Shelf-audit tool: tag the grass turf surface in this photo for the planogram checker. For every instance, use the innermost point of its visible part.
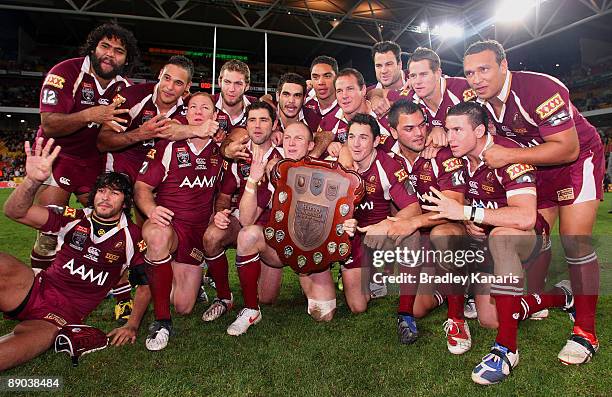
(289, 354)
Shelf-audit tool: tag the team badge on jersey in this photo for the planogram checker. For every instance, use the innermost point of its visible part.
(222, 123)
(468, 95)
(245, 170)
(79, 237)
(88, 94)
(142, 246)
(452, 164)
(517, 124)
(151, 154)
(342, 135)
(147, 115)
(70, 212)
(401, 175)
(182, 157)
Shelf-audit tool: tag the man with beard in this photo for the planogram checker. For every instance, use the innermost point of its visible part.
(223, 232)
(535, 110)
(97, 244)
(234, 80)
(75, 99)
(176, 190)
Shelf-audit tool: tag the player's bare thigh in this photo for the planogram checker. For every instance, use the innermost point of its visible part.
(15, 282)
(186, 281)
(215, 239)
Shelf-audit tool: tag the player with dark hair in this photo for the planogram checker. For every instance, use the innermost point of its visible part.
(223, 231)
(387, 57)
(503, 206)
(152, 108)
(351, 95)
(96, 245)
(386, 182)
(290, 95)
(176, 189)
(535, 110)
(75, 99)
(443, 172)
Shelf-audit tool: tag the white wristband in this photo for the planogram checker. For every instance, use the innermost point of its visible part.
(467, 212)
(479, 216)
(249, 189)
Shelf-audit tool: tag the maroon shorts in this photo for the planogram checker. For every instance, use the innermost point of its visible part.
(124, 165)
(358, 258)
(75, 175)
(45, 302)
(574, 183)
(190, 249)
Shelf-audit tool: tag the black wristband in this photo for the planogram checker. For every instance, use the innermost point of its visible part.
(473, 214)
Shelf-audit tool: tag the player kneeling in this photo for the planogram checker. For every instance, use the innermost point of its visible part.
(99, 243)
(183, 175)
(503, 207)
(253, 249)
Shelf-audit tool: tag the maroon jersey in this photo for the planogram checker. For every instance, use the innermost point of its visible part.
(385, 180)
(140, 100)
(454, 90)
(490, 188)
(69, 87)
(87, 266)
(538, 105)
(314, 113)
(225, 121)
(338, 124)
(184, 179)
(443, 172)
(236, 173)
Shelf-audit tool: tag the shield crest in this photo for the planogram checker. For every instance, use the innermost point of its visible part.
(311, 193)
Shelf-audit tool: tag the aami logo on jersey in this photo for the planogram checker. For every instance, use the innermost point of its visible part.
(492, 205)
(367, 206)
(86, 274)
(202, 182)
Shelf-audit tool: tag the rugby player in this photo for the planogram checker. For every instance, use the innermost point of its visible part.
(387, 57)
(223, 232)
(75, 99)
(253, 250)
(535, 110)
(503, 206)
(175, 189)
(321, 98)
(386, 183)
(96, 245)
(409, 127)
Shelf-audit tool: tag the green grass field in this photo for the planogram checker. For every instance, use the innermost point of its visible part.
(289, 354)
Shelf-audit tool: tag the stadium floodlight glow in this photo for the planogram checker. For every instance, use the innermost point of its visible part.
(423, 26)
(450, 31)
(514, 10)
(8, 115)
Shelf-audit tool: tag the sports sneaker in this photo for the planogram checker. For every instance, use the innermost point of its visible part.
(407, 329)
(458, 338)
(495, 366)
(339, 283)
(123, 309)
(218, 308)
(566, 287)
(159, 333)
(541, 315)
(579, 348)
(469, 309)
(377, 290)
(244, 320)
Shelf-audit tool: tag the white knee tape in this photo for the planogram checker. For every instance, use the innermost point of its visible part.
(323, 307)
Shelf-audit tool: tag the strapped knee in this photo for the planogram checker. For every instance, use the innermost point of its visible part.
(45, 245)
(321, 310)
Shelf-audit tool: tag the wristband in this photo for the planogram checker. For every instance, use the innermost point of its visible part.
(253, 181)
(467, 210)
(479, 216)
(473, 214)
(249, 189)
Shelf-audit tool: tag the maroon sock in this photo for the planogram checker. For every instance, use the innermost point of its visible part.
(41, 261)
(159, 274)
(218, 269)
(537, 270)
(533, 303)
(408, 289)
(584, 275)
(122, 291)
(455, 306)
(508, 305)
(249, 267)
